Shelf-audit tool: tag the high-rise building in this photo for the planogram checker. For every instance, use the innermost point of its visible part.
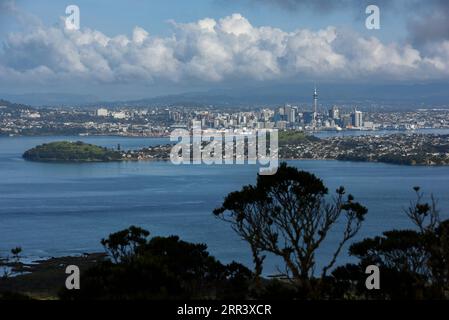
(282, 111)
(345, 120)
(287, 109)
(308, 118)
(290, 115)
(334, 113)
(357, 119)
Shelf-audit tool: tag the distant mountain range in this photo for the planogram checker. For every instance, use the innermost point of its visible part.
(411, 95)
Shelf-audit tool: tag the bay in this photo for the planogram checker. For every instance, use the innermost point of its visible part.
(60, 209)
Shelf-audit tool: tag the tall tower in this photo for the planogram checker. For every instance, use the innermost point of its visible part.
(315, 106)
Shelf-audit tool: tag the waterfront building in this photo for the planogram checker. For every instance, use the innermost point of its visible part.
(357, 119)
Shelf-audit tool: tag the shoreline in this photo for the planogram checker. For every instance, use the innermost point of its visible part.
(280, 160)
(414, 150)
(318, 133)
(44, 278)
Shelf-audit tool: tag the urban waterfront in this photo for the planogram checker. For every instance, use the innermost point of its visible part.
(52, 209)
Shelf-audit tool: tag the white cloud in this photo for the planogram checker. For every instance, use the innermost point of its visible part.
(209, 50)
(139, 35)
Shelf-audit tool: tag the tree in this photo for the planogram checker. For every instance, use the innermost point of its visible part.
(414, 263)
(123, 245)
(425, 216)
(439, 255)
(11, 264)
(16, 254)
(159, 268)
(289, 214)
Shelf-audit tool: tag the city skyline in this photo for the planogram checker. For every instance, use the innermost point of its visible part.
(126, 120)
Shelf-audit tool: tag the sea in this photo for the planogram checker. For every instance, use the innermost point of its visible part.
(59, 209)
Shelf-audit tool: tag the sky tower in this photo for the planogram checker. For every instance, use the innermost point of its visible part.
(315, 106)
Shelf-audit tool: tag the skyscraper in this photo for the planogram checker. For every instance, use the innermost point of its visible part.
(357, 119)
(290, 113)
(315, 106)
(334, 113)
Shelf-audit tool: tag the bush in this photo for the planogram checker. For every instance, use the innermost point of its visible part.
(160, 268)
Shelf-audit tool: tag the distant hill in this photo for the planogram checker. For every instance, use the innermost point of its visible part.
(51, 99)
(403, 96)
(6, 103)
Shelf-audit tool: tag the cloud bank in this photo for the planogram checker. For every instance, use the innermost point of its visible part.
(427, 20)
(225, 50)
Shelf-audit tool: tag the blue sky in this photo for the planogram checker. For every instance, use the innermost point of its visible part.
(130, 48)
(119, 16)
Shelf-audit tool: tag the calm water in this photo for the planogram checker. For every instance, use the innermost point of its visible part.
(61, 209)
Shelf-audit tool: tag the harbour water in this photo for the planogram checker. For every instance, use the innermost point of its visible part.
(56, 209)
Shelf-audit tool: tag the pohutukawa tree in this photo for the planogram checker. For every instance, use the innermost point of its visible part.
(414, 263)
(290, 214)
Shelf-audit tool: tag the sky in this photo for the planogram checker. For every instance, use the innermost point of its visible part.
(135, 48)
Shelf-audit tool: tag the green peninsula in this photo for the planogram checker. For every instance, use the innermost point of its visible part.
(65, 151)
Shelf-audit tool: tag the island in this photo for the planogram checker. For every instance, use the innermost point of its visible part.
(65, 151)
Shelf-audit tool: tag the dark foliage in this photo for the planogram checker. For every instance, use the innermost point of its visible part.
(289, 214)
(160, 268)
(414, 264)
(65, 151)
